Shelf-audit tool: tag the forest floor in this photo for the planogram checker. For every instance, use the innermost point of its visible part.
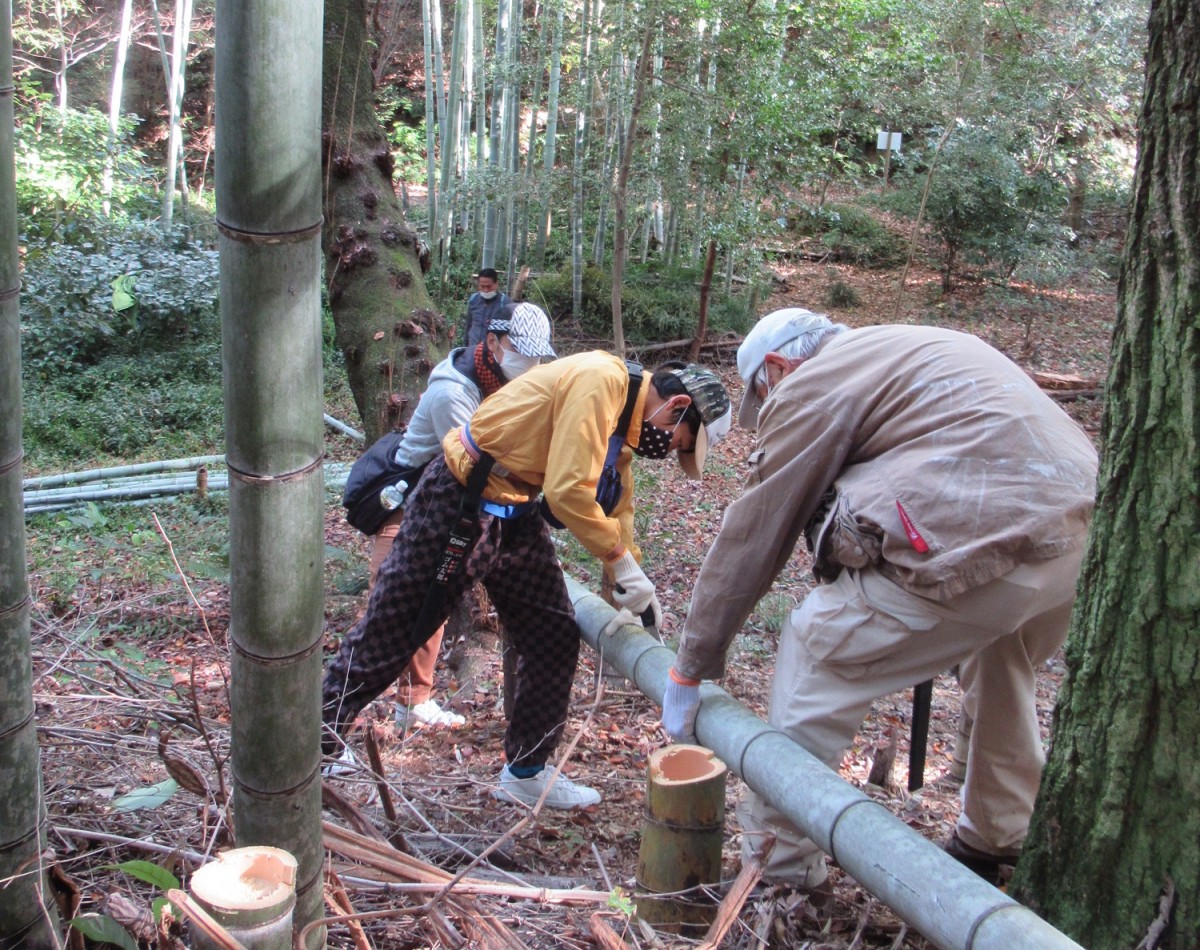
(101, 722)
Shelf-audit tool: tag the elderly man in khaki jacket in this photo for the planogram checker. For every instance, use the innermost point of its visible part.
(946, 501)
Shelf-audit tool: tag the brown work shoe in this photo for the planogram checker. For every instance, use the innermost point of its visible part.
(996, 869)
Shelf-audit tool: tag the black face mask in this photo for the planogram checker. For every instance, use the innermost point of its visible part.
(655, 443)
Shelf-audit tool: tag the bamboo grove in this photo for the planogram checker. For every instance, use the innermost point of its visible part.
(532, 130)
(520, 116)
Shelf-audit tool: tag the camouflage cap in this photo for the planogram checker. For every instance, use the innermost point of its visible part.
(711, 400)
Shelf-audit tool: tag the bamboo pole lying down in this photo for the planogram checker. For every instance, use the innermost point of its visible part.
(952, 907)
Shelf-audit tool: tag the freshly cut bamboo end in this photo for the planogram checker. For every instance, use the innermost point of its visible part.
(682, 764)
(246, 879)
(681, 836)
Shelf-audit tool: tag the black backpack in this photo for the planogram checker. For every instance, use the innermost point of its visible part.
(374, 471)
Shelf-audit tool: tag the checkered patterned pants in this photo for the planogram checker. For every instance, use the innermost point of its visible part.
(515, 561)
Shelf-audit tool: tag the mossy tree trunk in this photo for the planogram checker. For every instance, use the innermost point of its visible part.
(385, 323)
(25, 920)
(1118, 821)
(268, 97)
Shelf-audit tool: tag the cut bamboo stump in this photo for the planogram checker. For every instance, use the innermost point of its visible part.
(681, 836)
(250, 892)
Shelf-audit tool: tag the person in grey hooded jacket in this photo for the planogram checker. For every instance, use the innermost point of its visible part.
(515, 343)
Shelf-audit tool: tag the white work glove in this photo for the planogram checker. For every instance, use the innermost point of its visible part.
(622, 618)
(681, 702)
(633, 589)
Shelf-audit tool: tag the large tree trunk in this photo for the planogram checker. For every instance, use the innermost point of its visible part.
(1117, 822)
(386, 326)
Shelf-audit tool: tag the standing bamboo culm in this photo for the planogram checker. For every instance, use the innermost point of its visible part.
(175, 90)
(481, 119)
(25, 919)
(268, 96)
(512, 137)
(114, 100)
(452, 143)
(522, 250)
(431, 126)
(577, 164)
(622, 187)
(548, 152)
(496, 138)
(612, 105)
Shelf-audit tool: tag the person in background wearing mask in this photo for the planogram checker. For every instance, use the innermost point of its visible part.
(547, 431)
(457, 385)
(946, 501)
(484, 306)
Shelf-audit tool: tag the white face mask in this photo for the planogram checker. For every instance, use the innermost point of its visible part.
(488, 294)
(514, 364)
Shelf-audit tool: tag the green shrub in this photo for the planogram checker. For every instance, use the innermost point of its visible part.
(60, 164)
(851, 235)
(157, 403)
(657, 304)
(67, 316)
(981, 205)
(841, 295)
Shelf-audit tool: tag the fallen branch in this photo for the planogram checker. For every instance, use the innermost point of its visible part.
(731, 906)
(1064, 381)
(723, 342)
(384, 858)
(1071, 395)
(332, 799)
(606, 937)
(122, 471)
(344, 429)
(381, 787)
(425, 879)
(337, 899)
(1166, 904)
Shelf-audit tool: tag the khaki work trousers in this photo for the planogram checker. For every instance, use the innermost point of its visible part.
(415, 684)
(863, 637)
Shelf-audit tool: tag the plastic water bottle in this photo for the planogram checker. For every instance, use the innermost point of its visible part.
(392, 497)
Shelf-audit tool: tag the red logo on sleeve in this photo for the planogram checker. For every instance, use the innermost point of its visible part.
(910, 529)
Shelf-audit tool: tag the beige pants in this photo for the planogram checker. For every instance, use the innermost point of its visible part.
(416, 682)
(863, 637)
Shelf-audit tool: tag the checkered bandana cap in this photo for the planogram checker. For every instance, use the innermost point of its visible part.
(528, 330)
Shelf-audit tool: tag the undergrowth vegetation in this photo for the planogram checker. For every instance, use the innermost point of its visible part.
(851, 234)
(120, 328)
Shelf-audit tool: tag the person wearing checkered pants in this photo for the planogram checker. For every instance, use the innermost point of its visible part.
(515, 561)
(546, 431)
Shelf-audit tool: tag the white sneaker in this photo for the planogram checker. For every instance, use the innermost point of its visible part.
(527, 791)
(428, 713)
(344, 764)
